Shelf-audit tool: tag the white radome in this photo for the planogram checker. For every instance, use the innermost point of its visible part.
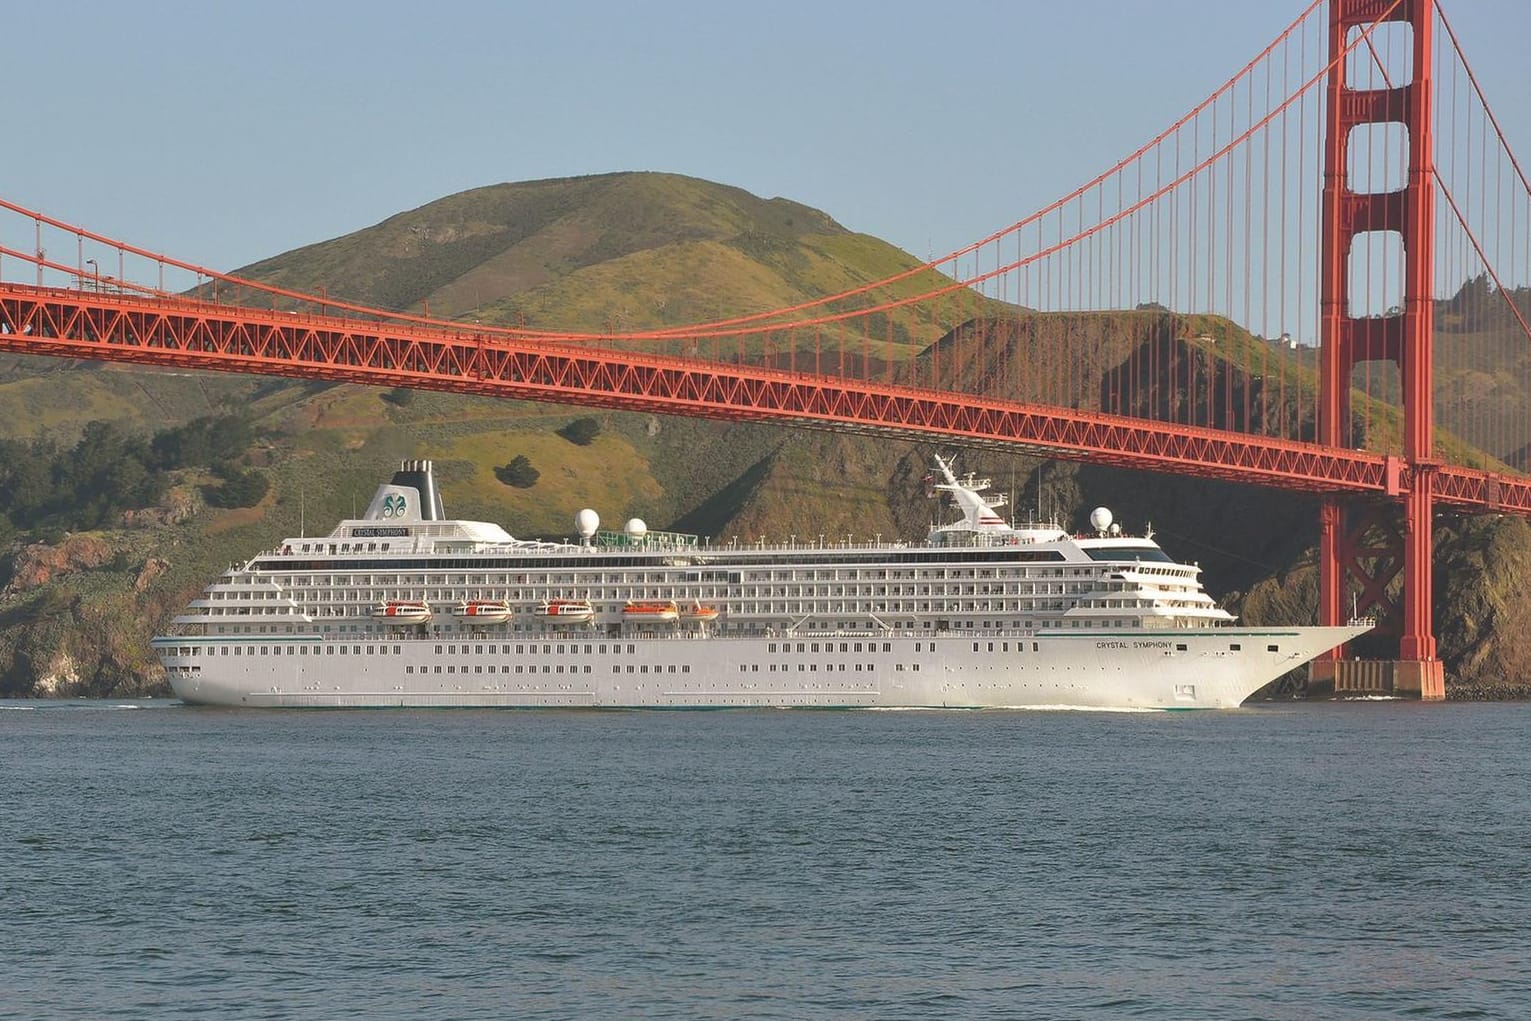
(1100, 519)
(635, 528)
(586, 522)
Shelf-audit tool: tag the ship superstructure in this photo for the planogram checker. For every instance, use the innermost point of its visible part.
(405, 606)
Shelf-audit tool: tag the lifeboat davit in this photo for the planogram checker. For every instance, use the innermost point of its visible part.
(646, 613)
(566, 611)
(401, 611)
(699, 613)
(482, 611)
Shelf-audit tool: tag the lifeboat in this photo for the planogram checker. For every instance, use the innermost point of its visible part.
(647, 613)
(699, 613)
(566, 611)
(399, 611)
(482, 611)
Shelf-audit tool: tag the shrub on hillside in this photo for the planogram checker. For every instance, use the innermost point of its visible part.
(241, 488)
(581, 432)
(519, 472)
(399, 397)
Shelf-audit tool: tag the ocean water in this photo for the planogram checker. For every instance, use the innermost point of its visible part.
(1293, 861)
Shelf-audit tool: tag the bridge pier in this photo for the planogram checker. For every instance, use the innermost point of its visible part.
(1356, 678)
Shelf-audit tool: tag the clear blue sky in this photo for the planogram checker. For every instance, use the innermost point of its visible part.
(224, 133)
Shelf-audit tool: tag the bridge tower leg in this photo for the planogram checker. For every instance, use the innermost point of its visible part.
(1349, 536)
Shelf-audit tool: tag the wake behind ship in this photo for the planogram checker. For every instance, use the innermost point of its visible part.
(407, 607)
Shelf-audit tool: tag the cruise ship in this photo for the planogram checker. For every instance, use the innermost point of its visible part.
(408, 607)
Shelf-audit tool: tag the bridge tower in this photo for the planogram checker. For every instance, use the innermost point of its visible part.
(1362, 546)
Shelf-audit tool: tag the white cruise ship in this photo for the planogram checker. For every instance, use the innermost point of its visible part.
(407, 607)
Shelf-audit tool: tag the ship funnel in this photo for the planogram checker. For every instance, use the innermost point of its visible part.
(417, 475)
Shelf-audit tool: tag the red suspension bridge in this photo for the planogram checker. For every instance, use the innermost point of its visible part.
(1289, 286)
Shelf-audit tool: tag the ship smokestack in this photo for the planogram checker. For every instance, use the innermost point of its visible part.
(418, 476)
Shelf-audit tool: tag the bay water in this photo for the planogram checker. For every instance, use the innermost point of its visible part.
(1332, 860)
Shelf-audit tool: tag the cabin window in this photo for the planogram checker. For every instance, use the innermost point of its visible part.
(1273, 648)
(1234, 647)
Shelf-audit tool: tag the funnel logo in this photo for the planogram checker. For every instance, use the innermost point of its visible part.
(394, 505)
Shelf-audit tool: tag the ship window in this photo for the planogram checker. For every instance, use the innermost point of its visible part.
(356, 649)
(1179, 647)
(916, 646)
(815, 647)
(451, 669)
(603, 650)
(616, 668)
(742, 668)
(887, 646)
(991, 646)
(396, 650)
(369, 650)
(1273, 648)
(630, 650)
(1235, 647)
(409, 670)
(685, 669)
(916, 668)
(438, 650)
(1034, 647)
(975, 646)
(520, 649)
(438, 669)
(771, 647)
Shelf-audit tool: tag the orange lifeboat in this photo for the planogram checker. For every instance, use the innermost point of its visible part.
(566, 611)
(402, 611)
(651, 613)
(699, 613)
(482, 611)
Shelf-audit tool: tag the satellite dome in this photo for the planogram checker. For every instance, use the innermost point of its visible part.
(635, 528)
(1100, 519)
(586, 522)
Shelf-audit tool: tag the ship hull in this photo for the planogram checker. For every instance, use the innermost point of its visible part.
(1182, 669)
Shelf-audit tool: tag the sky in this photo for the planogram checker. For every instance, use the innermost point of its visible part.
(223, 133)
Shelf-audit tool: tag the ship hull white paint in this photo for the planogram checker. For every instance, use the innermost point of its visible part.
(1167, 670)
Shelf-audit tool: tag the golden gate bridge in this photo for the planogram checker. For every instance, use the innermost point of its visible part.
(1290, 286)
